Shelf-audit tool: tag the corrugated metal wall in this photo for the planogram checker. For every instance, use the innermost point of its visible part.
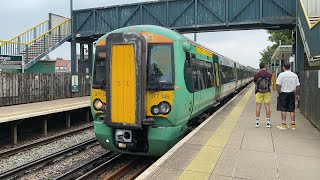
(312, 7)
(310, 96)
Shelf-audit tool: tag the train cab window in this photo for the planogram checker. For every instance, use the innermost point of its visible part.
(160, 66)
(99, 73)
(188, 73)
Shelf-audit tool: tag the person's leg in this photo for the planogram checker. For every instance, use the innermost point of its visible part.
(258, 109)
(259, 99)
(268, 114)
(291, 105)
(283, 109)
(267, 107)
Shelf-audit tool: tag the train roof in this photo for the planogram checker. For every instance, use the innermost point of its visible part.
(175, 36)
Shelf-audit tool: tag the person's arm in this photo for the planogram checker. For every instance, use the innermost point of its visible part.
(298, 92)
(255, 78)
(279, 82)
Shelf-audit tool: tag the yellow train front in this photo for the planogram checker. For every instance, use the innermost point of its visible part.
(148, 82)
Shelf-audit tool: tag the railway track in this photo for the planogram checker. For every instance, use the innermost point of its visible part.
(20, 170)
(81, 170)
(40, 143)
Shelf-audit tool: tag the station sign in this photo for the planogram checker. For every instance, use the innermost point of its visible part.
(10, 58)
(74, 83)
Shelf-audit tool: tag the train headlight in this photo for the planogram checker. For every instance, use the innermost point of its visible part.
(164, 108)
(98, 105)
(155, 110)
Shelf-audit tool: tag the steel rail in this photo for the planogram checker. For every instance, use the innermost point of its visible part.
(50, 158)
(76, 172)
(39, 143)
(100, 169)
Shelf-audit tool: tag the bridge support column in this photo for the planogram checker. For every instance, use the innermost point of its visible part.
(299, 54)
(88, 115)
(82, 69)
(90, 56)
(14, 134)
(73, 57)
(45, 127)
(68, 119)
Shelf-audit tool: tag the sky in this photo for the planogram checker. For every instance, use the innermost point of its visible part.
(16, 17)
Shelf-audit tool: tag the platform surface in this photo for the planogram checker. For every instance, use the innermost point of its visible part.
(16, 112)
(228, 146)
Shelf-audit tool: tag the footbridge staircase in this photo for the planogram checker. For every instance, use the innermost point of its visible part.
(308, 24)
(35, 43)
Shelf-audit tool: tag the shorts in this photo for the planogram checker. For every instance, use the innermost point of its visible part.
(286, 102)
(265, 97)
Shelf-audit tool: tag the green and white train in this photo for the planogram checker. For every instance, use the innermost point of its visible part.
(149, 82)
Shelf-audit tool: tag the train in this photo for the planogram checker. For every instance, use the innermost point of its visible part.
(149, 82)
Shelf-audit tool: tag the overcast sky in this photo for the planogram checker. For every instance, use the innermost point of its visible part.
(16, 17)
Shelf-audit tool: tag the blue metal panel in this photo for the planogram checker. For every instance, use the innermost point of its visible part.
(188, 15)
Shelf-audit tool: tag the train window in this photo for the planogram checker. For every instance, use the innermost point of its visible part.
(99, 73)
(195, 77)
(160, 64)
(188, 73)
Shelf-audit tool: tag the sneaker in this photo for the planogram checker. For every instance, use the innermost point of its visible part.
(282, 126)
(257, 125)
(268, 125)
(292, 126)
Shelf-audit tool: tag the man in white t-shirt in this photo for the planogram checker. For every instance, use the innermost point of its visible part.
(288, 88)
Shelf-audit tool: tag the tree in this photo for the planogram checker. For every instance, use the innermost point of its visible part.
(275, 36)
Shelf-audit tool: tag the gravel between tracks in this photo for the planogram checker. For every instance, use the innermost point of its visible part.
(40, 137)
(60, 167)
(38, 152)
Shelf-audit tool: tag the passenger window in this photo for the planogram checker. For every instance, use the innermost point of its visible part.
(188, 73)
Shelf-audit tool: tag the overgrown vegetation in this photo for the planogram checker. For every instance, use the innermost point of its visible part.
(275, 36)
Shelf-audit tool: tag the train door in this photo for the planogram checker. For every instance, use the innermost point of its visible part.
(189, 84)
(216, 75)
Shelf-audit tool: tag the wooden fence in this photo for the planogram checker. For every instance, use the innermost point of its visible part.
(18, 88)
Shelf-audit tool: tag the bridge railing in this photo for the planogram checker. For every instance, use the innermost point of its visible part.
(36, 40)
(21, 88)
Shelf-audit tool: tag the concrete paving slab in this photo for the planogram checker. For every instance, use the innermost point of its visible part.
(292, 167)
(169, 173)
(217, 177)
(297, 146)
(256, 165)
(192, 175)
(227, 162)
(257, 140)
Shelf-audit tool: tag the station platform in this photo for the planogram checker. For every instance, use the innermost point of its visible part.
(228, 146)
(16, 112)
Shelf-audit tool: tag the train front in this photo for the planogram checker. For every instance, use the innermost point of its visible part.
(133, 93)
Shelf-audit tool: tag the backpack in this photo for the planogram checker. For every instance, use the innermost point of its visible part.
(263, 84)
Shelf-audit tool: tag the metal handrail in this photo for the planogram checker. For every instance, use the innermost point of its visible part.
(36, 46)
(49, 31)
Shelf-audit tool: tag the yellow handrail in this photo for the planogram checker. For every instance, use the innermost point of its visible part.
(8, 42)
(48, 32)
(29, 30)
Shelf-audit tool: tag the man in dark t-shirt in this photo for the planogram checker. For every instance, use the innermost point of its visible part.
(263, 81)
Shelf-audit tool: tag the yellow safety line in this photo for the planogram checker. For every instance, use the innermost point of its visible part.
(48, 32)
(42, 109)
(307, 17)
(205, 161)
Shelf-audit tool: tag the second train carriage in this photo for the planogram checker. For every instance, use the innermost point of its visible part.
(149, 82)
